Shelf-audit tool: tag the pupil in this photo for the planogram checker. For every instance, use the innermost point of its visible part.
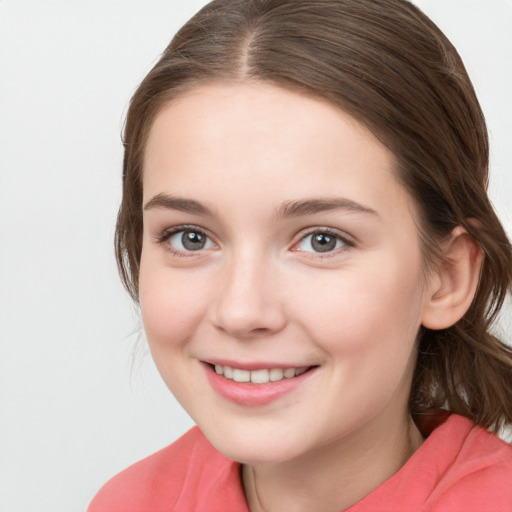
(323, 242)
(193, 241)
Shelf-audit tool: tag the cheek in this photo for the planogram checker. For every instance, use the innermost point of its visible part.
(170, 305)
(364, 312)
(171, 312)
(366, 324)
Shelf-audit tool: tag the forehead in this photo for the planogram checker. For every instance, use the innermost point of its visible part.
(261, 141)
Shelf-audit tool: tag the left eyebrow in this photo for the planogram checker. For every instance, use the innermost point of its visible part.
(178, 203)
(318, 205)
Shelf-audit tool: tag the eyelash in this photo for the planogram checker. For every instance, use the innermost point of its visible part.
(166, 235)
(347, 241)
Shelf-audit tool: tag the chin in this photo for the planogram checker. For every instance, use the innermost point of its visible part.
(247, 448)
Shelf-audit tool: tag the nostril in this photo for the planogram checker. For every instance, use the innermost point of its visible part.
(238, 328)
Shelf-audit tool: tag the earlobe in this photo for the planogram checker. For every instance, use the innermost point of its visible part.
(454, 285)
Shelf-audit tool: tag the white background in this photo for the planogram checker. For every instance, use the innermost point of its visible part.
(76, 404)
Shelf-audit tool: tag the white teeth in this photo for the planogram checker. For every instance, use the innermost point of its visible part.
(262, 376)
(259, 376)
(289, 373)
(276, 374)
(241, 375)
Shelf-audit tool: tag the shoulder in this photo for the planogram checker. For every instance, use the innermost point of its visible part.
(479, 477)
(171, 476)
(459, 468)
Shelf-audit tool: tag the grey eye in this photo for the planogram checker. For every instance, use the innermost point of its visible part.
(320, 242)
(190, 240)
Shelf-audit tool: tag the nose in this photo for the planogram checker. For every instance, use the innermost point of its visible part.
(249, 296)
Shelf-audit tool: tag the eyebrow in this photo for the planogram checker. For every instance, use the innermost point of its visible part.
(318, 205)
(286, 210)
(177, 203)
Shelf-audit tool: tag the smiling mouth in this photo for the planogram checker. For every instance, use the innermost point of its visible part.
(262, 376)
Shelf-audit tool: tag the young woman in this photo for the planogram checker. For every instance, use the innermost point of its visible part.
(306, 227)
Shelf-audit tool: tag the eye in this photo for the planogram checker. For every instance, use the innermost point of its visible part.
(321, 242)
(188, 240)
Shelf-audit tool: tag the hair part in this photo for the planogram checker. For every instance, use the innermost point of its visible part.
(386, 64)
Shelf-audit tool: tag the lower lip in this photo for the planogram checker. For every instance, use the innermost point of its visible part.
(253, 395)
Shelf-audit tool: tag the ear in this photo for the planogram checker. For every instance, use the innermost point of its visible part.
(454, 284)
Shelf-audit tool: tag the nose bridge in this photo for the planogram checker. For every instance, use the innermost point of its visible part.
(248, 300)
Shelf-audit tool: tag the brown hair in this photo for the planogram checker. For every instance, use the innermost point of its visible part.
(385, 63)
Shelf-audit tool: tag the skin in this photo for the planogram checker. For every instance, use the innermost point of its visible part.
(258, 291)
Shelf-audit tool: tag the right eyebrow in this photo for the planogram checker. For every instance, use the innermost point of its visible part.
(319, 205)
(177, 203)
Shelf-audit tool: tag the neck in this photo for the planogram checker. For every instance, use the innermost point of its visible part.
(335, 476)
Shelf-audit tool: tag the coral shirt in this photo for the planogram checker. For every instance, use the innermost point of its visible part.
(459, 468)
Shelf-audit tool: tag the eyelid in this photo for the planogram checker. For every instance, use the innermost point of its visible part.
(348, 241)
(165, 235)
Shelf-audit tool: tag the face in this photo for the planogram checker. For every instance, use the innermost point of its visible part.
(281, 280)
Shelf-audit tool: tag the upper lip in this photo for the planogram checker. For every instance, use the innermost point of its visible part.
(253, 365)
